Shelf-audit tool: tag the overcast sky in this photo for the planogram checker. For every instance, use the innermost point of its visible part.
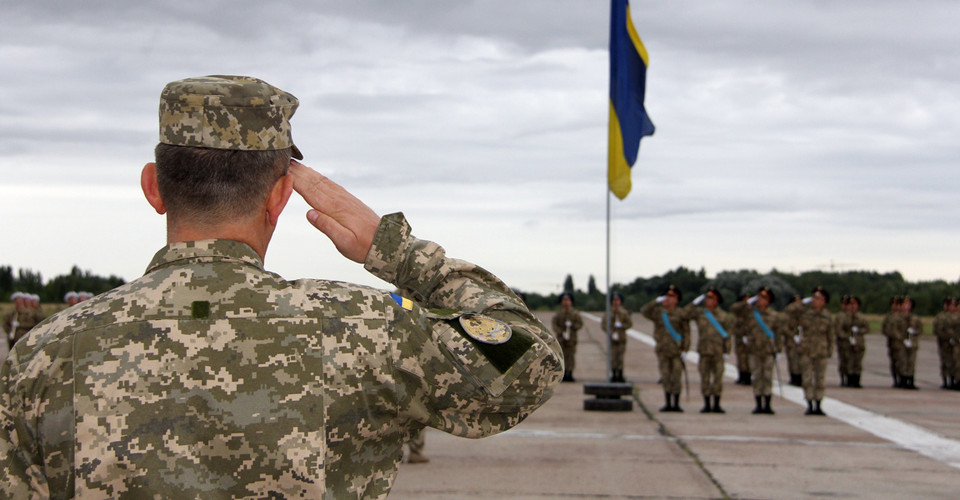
(797, 135)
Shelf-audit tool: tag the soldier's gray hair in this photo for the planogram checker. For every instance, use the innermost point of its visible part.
(211, 186)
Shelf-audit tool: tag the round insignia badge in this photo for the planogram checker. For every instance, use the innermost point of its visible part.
(485, 329)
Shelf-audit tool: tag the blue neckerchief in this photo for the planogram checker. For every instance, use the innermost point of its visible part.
(673, 333)
(716, 324)
(763, 326)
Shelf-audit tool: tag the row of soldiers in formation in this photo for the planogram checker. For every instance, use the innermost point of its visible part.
(27, 313)
(759, 335)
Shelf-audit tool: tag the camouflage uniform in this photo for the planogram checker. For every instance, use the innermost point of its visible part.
(817, 339)
(944, 325)
(669, 350)
(907, 363)
(791, 341)
(761, 348)
(711, 346)
(566, 323)
(741, 348)
(19, 321)
(850, 329)
(618, 336)
(210, 376)
(893, 329)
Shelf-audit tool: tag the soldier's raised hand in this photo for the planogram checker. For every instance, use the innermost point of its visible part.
(348, 222)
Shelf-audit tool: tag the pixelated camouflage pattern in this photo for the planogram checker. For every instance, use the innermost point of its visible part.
(211, 377)
(709, 340)
(851, 343)
(666, 345)
(758, 343)
(569, 345)
(227, 112)
(618, 336)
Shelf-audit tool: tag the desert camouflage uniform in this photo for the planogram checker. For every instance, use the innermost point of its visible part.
(761, 348)
(618, 336)
(850, 330)
(711, 346)
(211, 377)
(565, 326)
(817, 337)
(669, 350)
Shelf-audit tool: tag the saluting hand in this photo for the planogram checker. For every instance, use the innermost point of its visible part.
(347, 221)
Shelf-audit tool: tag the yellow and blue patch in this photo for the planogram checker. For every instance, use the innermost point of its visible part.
(402, 301)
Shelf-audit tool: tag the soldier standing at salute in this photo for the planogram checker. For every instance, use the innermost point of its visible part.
(211, 376)
(817, 336)
(713, 346)
(566, 323)
(671, 332)
(850, 328)
(943, 327)
(620, 322)
(765, 341)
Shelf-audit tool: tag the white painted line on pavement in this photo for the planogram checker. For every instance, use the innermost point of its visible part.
(907, 435)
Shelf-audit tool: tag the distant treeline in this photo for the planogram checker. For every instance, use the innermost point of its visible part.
(26, 280)
(874, 289)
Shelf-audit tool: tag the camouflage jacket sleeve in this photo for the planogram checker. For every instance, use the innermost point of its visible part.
(650, 310)
(447, 378)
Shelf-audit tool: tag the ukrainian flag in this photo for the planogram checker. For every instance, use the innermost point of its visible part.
(628, 82)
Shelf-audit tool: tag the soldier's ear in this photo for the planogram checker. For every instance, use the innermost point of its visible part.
(148, 182)
(278, 198)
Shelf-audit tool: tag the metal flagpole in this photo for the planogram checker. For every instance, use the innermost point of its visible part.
(609, 320)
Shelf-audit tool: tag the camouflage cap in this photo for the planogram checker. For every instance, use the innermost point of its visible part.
(227, 112)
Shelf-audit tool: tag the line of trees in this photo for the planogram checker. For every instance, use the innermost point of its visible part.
(29, 281)
(874, 289)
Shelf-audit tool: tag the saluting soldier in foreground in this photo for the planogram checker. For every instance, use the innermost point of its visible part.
(566, 323)
(713, 345)
(210, 376)
(851, 328)
(671, 332)
(765, 341)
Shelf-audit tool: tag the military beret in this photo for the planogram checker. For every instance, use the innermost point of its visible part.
(227, 112)
(712, 291)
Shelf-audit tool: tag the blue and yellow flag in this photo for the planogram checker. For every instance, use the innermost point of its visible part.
(628, 82)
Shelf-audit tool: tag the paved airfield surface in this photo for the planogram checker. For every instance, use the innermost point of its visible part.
(875, 443)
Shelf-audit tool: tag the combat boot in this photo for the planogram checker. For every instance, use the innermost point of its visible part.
(759, 408)
(567, 377)
(716, 405)
(747, 378)
(817, 410)
(766, 406)
(809, 408)
(706, 405)
(668, 406)
(676, 402)
(416, 458)
(909, 383)
(796, 379)
(855, 381)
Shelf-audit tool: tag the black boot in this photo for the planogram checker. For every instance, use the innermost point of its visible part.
(747, 378)
(855, 381)
(844, 380)
(809, 408)
(897, 383)
(716, 405)
(909, 383)
(740, 377)
(668, 406)
(676, 402)
(944, 385)
(706, 405)
(766, 405)
(759, 408)
(567, 377)
(817, 410)
(796, 379)
(620, 376)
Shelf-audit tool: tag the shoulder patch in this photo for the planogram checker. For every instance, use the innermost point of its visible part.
(485, 329)
(402, 302)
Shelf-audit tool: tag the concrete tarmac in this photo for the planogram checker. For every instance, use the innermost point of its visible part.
(875, 443)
